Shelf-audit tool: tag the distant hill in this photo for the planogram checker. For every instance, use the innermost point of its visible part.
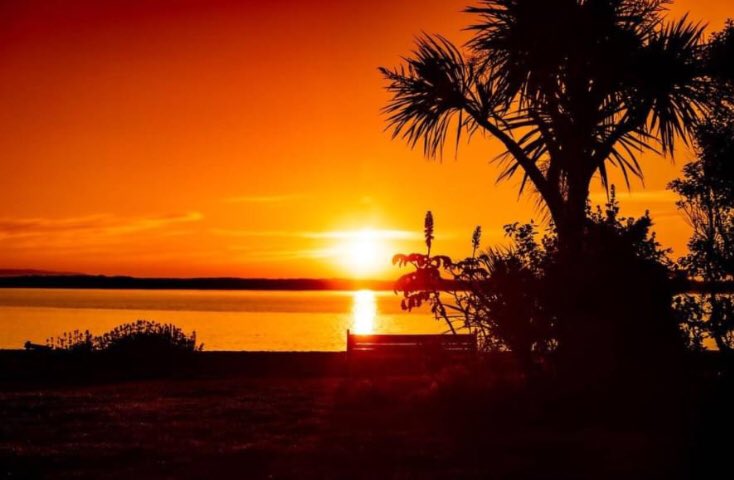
(43, 279)
(10, 272)
(55, 280)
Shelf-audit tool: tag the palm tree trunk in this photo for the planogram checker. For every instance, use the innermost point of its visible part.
(571, 225)
(572, 335)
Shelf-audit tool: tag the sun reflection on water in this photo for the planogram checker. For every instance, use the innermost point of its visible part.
(364, 311)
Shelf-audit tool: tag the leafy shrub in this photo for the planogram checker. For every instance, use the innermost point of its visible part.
(496, 294)
(612, 304)
(706, 193)
(140, 337)
(74, 341)
(705, 317)
(144, 336)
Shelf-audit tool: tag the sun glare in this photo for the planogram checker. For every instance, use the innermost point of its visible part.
(364, 253)
(364, 311)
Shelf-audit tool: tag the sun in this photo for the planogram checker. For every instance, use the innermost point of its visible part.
(364, 253)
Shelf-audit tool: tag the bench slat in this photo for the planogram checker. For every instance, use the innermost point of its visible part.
(395, 343)
(411, 344)
(416, 348)
(459, 338)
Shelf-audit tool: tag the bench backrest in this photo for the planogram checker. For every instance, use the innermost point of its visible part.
(459, 343)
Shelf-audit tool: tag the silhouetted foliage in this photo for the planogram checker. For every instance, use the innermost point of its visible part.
(512, 296)
(614, 305)
(428, 230)
(75, 341)
(568, 88)
(140, 337)
(707, 199)
(720, 59)
(494, 294)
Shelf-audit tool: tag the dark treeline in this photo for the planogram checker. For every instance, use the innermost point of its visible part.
(225, 283)
(681, 285)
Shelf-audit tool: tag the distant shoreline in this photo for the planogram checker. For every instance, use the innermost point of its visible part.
(103, 282)
(218, 283)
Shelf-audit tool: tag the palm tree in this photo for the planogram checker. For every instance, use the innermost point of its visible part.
(568, 87)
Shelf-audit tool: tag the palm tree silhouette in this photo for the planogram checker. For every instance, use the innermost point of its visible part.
(569, 87)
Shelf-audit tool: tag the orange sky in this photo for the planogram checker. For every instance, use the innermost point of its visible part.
(203, 138)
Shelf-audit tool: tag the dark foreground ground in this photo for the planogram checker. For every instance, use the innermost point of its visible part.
(252, 417)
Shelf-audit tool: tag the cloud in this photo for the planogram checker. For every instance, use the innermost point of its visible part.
(643, 196)
(263, 198)
(367, 233)
(90, 229)
(257, 255)
(343, 234)
(254, 254)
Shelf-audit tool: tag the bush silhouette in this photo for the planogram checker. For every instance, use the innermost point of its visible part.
(75, 341)
(706, 192)
(140, 338)
(609, 315)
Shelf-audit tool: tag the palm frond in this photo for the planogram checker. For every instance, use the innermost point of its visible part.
(671, 82)
(427, 93)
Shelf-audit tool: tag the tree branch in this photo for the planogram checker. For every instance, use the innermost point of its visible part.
(552, 197)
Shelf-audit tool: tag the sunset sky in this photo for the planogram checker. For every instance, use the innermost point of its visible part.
(213, 137)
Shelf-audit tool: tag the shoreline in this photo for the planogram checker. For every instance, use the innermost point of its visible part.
(54, 366)
(102, 282)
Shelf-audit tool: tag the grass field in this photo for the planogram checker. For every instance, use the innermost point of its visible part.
(239, 426)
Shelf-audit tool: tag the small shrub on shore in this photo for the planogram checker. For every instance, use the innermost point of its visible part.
(74, 341)
(142, 336)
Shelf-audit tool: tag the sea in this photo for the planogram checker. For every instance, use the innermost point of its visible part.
(223, 320)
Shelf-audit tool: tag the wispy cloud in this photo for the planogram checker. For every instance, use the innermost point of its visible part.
(338, 234)
(90, 229)
(274, 255)
(643, 196)
(264, 198)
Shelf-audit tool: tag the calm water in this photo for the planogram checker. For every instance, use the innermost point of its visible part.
(223, 320)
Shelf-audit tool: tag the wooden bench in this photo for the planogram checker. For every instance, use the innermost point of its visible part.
(424, 348)
(34, 346)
